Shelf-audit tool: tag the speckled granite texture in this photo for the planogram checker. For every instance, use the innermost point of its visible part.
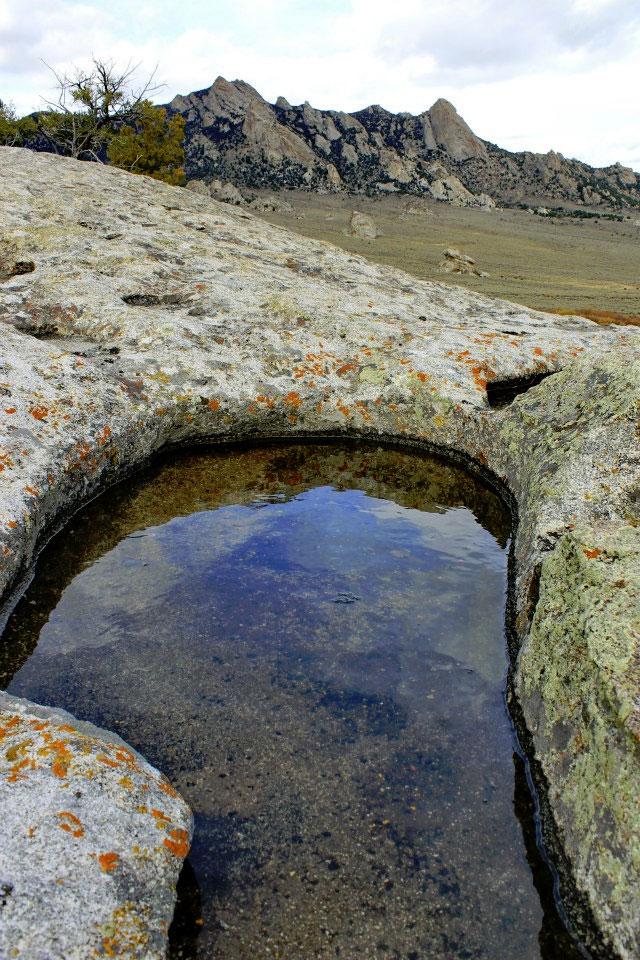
(136, 315)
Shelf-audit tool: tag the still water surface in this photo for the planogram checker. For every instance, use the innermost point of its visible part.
(309, 641)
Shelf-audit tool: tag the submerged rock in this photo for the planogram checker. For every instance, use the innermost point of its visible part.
(155, 316)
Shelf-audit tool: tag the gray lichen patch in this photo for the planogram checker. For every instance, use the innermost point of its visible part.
(247, 347)
(578, 681)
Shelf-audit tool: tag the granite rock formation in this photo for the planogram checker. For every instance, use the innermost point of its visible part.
(93, 838)
(234, 134)
(136, 315)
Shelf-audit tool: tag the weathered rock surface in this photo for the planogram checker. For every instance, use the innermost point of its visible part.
(92, 840)
(150, 316)
(235, 134)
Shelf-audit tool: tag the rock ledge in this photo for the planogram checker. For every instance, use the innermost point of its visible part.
(152, 316)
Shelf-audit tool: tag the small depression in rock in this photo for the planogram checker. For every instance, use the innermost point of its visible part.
(500, 393)
(309, 641)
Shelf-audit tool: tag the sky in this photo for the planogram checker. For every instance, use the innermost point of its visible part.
(526, 74)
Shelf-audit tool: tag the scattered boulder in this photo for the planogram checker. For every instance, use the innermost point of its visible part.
(199, 187)
(92, 839)
(415, 207)
(453, 261)
(443, 185)
(590, 196)
(362, 226)
(485, 201)
(217, 190)
(270, 204)
(226, 192)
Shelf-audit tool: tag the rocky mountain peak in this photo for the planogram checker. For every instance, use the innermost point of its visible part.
(453, 135)
(233, 134)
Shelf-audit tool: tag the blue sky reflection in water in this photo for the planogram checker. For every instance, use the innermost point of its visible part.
(309, 641)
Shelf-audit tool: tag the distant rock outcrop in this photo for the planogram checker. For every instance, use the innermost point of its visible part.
(219, 190)
(362, 226)
(453, 261)
(234, 134)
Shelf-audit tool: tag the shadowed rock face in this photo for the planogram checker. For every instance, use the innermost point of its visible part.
(155, 316)
(233, 133)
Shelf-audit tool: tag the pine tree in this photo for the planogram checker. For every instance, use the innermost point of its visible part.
(152, 146)
(12, 129)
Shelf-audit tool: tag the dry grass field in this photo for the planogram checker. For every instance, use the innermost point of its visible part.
(563, 265)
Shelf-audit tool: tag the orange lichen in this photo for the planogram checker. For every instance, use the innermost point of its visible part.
(39, 413)
(108, 762)
(108, 861)
(482, 373)
(18, 749)
(177, 842)
(213, 405)
(166, 787)
(160, 817)
(62, 756)
(592, 554)
(70, 823)
(17, 770)
(10, 724)
(346, 367)
(126, 756)
(293, 399)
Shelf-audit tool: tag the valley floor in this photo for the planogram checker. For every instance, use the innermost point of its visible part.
(560, 265)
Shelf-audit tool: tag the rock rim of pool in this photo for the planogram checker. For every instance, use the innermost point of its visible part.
(138, 316)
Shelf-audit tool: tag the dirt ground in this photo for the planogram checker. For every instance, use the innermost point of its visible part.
(556, 264)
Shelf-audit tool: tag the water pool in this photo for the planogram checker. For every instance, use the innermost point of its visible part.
(309, 641)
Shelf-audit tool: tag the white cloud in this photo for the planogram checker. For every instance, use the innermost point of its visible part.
(487, 39)
(560, 74)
